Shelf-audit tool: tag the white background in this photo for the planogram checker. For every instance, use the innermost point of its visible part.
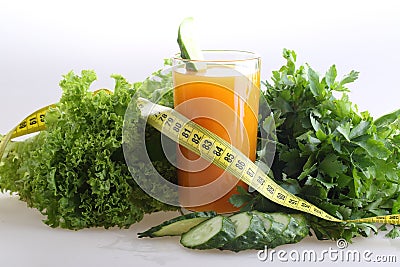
(42, 40)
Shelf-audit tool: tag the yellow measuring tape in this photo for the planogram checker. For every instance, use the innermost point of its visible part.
(31, 124)
(212, 148)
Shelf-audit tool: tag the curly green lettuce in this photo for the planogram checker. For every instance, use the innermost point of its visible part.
(74, 172)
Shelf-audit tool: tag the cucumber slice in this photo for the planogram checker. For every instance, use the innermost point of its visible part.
(189, 45)
(187, 42)
(213, 233)
(178, 225)
(283, 228)
(267, 223)
(287, 235)
(303, 228)
(250, 232)
(281, 217)
(296, 229)
(273, 228)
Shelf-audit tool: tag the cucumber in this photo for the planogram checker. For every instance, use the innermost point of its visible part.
(303, 228)
(189, 45)
(286, 235)
(297, 228)
(273, 228)
(212, 233)
(187, 42)
(178, 225)
(283, 228)
(241, 231)
(250, 232)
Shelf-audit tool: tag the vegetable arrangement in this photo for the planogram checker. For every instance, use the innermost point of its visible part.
(327, 152)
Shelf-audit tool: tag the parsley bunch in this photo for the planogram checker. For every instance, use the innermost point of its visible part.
(329, 153)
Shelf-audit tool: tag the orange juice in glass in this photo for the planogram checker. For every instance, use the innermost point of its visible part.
(222, 95)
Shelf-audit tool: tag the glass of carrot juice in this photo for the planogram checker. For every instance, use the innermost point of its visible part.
(221, 93)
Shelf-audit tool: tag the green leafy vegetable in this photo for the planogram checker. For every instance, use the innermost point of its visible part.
(328, 152)
(74, 172)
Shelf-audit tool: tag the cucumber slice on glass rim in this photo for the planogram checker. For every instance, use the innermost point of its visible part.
(189, 46)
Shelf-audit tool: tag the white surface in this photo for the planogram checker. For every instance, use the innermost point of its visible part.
(41, 40)
(26, 241)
